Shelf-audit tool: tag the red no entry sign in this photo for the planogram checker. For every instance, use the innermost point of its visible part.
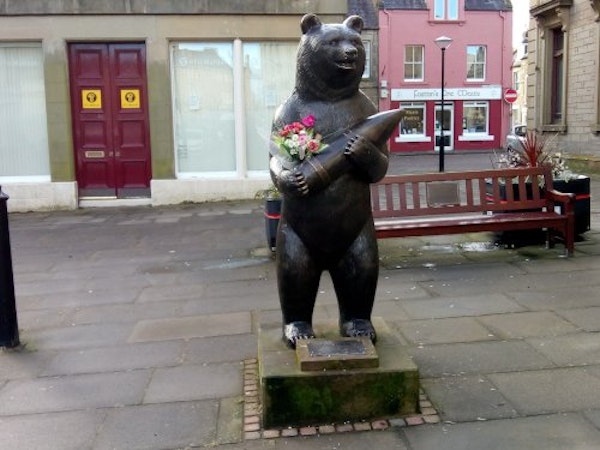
(510, 95)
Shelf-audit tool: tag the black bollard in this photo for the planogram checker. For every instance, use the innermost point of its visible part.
(9, 330)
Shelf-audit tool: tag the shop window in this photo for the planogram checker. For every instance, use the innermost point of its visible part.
(269, 73)
(476, 62)
(224, 99)
(412, 125)
(475, 118)
(445, 10)
(24, 153)
(203, 104)
(413, 63)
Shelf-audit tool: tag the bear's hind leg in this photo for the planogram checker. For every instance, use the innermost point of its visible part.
(298, 278)
(355, 281)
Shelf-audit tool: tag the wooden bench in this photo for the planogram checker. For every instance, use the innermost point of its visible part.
(463, 202)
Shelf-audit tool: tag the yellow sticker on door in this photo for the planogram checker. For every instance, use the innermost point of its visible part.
(130, 98)
(91, 99)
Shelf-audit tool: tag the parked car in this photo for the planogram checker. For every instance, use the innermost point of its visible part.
(517, 133)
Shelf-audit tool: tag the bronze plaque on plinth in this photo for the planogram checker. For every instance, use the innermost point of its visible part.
(336, 354)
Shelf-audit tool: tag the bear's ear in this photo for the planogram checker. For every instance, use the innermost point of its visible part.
(354, 22)
(308, 22)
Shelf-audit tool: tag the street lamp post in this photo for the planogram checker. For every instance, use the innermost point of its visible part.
(443, 42)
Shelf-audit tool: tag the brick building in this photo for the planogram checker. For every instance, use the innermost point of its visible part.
(477, 72)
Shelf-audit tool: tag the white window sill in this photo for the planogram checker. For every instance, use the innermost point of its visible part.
(476, 137)
(412, 138)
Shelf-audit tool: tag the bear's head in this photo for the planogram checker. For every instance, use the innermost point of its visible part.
(331, 58)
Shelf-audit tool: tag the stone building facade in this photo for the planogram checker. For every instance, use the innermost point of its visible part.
(117, 102)
(563, 92)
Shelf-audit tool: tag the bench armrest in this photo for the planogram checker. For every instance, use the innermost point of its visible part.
(567, 199)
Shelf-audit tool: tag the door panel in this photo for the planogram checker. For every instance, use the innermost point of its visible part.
(111, 135)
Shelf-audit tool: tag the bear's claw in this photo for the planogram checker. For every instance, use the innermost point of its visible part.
(358, 328)
(294, 331)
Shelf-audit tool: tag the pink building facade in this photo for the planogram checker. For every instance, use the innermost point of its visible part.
(477, 72)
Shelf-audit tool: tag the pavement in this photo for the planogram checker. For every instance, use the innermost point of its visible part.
(136, 324)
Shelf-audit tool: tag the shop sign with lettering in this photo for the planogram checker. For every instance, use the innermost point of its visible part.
(461, 93)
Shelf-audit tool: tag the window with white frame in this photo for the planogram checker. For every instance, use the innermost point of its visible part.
(269, 74)
(413, 62)
(412, 125)
(445, 9)
(476, 56)
(24, 154)
(476, 118)
(216, 87)
(367, 71)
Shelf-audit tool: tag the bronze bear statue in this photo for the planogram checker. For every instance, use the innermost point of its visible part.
(326, 221)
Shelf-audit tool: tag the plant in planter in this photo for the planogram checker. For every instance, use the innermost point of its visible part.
(272, 210)
(535, 149)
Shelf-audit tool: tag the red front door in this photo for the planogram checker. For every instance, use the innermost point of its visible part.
(110, 119)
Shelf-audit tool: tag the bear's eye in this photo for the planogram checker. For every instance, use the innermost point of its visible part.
(334, 42)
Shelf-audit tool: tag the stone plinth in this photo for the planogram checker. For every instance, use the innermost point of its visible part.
(292, 397)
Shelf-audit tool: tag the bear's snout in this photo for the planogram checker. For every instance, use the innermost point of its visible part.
(350, 53)
(348, 57)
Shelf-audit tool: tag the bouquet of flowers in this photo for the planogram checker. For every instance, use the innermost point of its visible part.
(298, 140)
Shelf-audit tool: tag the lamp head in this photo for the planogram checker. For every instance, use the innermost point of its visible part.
(443, 42)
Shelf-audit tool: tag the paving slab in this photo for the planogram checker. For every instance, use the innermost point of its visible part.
(473, 305)
(587, 319)
(72, 430)
(467, 399)
(477, 357)
(527, 324)
(577, 349)
(554, 432)
(75, 392)
(549, 391)
(79, 336)
(439, 331)
(158, 427)
(119, 358)
(195, 382)
(191, 327)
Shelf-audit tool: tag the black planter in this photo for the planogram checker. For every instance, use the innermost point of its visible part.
(272, 216)
(580, 186)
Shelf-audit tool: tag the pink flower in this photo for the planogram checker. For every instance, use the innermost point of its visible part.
(309, 121)
(313, 146)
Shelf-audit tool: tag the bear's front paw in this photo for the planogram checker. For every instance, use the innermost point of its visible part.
(360, 150)
(358, 328)
(294, 331)
(293, 183)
